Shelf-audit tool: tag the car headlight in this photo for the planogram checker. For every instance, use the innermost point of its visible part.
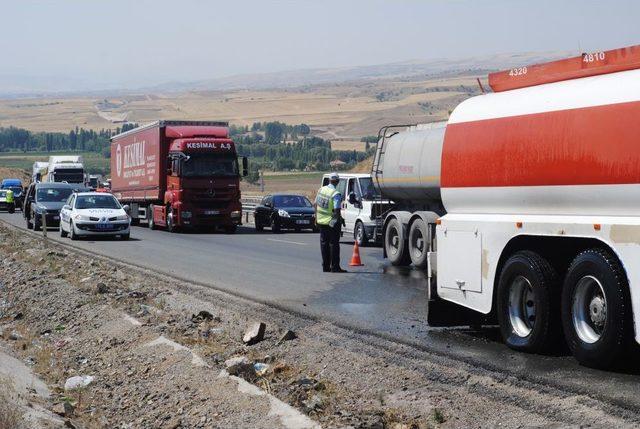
(82, 218)
(283, 213)
(236, 213)
(122, 217)
(186, 215)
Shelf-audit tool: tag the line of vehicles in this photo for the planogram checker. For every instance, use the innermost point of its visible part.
(521, 209)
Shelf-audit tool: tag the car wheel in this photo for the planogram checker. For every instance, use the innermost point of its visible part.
(596, 310)
(72, 232)
(528, 292)
(36, 223)
(395, 243)
(29, 224)
(231, 229)
(259, 226)
(125, 237)
(275, 225)
(360, 235)
(63, 233)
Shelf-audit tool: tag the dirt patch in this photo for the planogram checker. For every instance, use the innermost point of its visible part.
(170, 354)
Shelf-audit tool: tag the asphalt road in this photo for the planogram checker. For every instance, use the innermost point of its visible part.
(285, 269)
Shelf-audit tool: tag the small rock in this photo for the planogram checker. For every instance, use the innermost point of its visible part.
(64, 409)
(202, 316)
(315, 402)
(254, 334)
(173, 424)
(102, 288)
(240, 367)
(18, 316)
(288, 335)
(137, 295)
(78, 382)
(14, 336)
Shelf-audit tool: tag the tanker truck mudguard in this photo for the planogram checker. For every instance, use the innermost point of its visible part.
(524, 207)
(179, 175)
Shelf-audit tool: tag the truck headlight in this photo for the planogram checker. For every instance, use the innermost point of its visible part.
(81, 218)
(283, 213)
(186, 215)
(236, 213)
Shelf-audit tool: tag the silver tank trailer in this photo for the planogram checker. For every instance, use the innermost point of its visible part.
(410, 164)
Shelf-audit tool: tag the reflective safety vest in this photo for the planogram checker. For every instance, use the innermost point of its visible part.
(9, 196)
(324, 203)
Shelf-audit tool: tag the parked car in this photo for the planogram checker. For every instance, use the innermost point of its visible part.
(16, 186)
(94, 214)
(46, 198)
(4, 205)
(285, 212)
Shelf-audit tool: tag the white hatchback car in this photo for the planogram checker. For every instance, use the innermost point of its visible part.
(94, 214)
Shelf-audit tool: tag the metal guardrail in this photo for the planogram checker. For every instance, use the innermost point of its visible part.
(249, 203)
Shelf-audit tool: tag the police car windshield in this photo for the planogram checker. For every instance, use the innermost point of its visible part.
(15, 189)
(290, 201)
(210, 165)
(50, 195)
(96, 202)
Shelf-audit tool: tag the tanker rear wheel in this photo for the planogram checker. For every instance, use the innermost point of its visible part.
(395, 243)
(419, 243)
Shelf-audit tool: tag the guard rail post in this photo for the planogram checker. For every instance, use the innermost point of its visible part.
(44, 224)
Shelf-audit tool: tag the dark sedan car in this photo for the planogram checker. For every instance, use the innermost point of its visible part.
(46, 198)
(285, 212)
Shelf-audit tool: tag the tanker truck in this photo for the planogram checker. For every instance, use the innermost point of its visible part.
(524, 207)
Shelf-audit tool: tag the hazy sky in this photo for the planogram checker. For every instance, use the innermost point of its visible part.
(129, 43)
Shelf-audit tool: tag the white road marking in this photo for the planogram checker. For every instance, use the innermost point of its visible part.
(287, 241)
(162, 340)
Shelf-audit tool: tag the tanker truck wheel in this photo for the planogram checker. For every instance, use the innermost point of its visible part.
(419, 244)
(596, 311)
(528, 303)
(395, 243)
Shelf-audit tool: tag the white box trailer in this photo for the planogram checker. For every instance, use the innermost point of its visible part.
(525, 204)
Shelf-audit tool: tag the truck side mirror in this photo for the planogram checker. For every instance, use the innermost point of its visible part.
(245, 166)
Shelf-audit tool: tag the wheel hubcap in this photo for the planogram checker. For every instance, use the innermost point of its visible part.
(589, 309)
(522, 307)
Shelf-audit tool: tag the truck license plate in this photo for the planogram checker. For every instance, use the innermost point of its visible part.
(212, 212)
(302, 222)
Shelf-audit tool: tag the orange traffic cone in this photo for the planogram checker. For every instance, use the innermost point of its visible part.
(355, 258)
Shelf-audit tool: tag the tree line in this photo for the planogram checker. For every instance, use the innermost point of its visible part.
(13, 139)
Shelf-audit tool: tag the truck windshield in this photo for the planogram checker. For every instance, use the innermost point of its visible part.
(369, 192)
(210, 165)
(96, 202)
(69, 175)
(53, 194)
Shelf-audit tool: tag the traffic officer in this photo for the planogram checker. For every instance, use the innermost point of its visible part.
(329, 220)
(11, 201)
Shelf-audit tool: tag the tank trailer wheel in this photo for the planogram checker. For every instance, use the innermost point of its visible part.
(596, 311)
(419, 243)
(528, 301)
(396, 244)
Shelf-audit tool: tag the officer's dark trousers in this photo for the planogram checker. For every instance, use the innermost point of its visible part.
(330, 247)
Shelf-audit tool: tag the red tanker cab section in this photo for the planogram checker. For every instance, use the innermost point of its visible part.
(587, 64)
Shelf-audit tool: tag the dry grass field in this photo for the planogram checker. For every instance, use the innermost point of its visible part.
(344, 111)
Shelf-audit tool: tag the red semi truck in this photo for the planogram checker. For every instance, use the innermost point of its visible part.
(178, 174)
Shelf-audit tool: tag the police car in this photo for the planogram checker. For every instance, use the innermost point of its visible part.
(4, 204)
(94, 214)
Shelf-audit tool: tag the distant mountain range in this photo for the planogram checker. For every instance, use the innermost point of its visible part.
(20, 86)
